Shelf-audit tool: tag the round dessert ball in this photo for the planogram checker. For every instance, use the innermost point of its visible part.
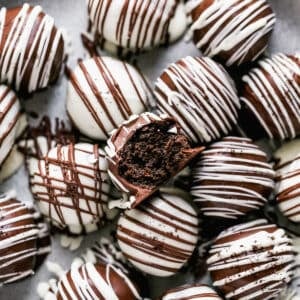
(139, 24)
(160, 235)
(107, 251)
(15, 158)
(287, 188)
(19, 239)
(32, 48)
(96, 281)
(271, 97)
(143, 154)
(231, 178)
(201, 96)
(102, 93)
(252, 261)
(71, 186)
(232, 31)
(191, 292)
(10, 114)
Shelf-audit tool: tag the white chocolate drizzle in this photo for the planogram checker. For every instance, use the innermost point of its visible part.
(18, 237)
(272, 94)
(231, 178)
(254, 260)
(102, 93)
(71, 186)
(234, 27)
(9, 120)
(201, 96)
(287, 187)
(88, 282)
(138, 24)
(191, 292)
(29, 49)
(159, 236)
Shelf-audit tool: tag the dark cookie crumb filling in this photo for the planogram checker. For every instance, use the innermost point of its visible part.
(152, 155)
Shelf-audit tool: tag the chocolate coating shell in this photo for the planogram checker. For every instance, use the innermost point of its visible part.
(232, 31)
(119, 139)
(232, 178)
(31, 48)
(271, 98)
(18, 240)
(97, 281)
(200, 95)
(253, 260)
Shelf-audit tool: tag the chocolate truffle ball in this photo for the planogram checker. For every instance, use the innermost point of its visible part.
(232, 178)
(232, 31)
(96, 281)
(15, 158)
(251, 261)
(102, 93)
(9, 120)
(287, 189)
(31, 48)
(107, 251)
(201, 96)
(71, 186)
(160, 235)
(190, 292)
(19, 239)
(139, 24)
(271, 98)
(144, 153)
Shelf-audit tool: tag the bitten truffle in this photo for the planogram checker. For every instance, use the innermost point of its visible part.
(71, 185)
(191, 292)
(96, 281)
(232, 31)
(138, 24)
(271, 98)
(160, 235)
(252, 261)
(232, 178)
(144, 153)
(103, 92)
(31, 48)
(23, 242)
(287, 189)
(201, 96)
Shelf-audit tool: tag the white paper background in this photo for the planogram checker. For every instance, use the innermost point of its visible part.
(71, 15)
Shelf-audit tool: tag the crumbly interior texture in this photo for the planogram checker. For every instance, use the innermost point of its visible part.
(152, 155)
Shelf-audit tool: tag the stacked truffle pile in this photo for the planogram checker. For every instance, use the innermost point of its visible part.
(127, 142)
